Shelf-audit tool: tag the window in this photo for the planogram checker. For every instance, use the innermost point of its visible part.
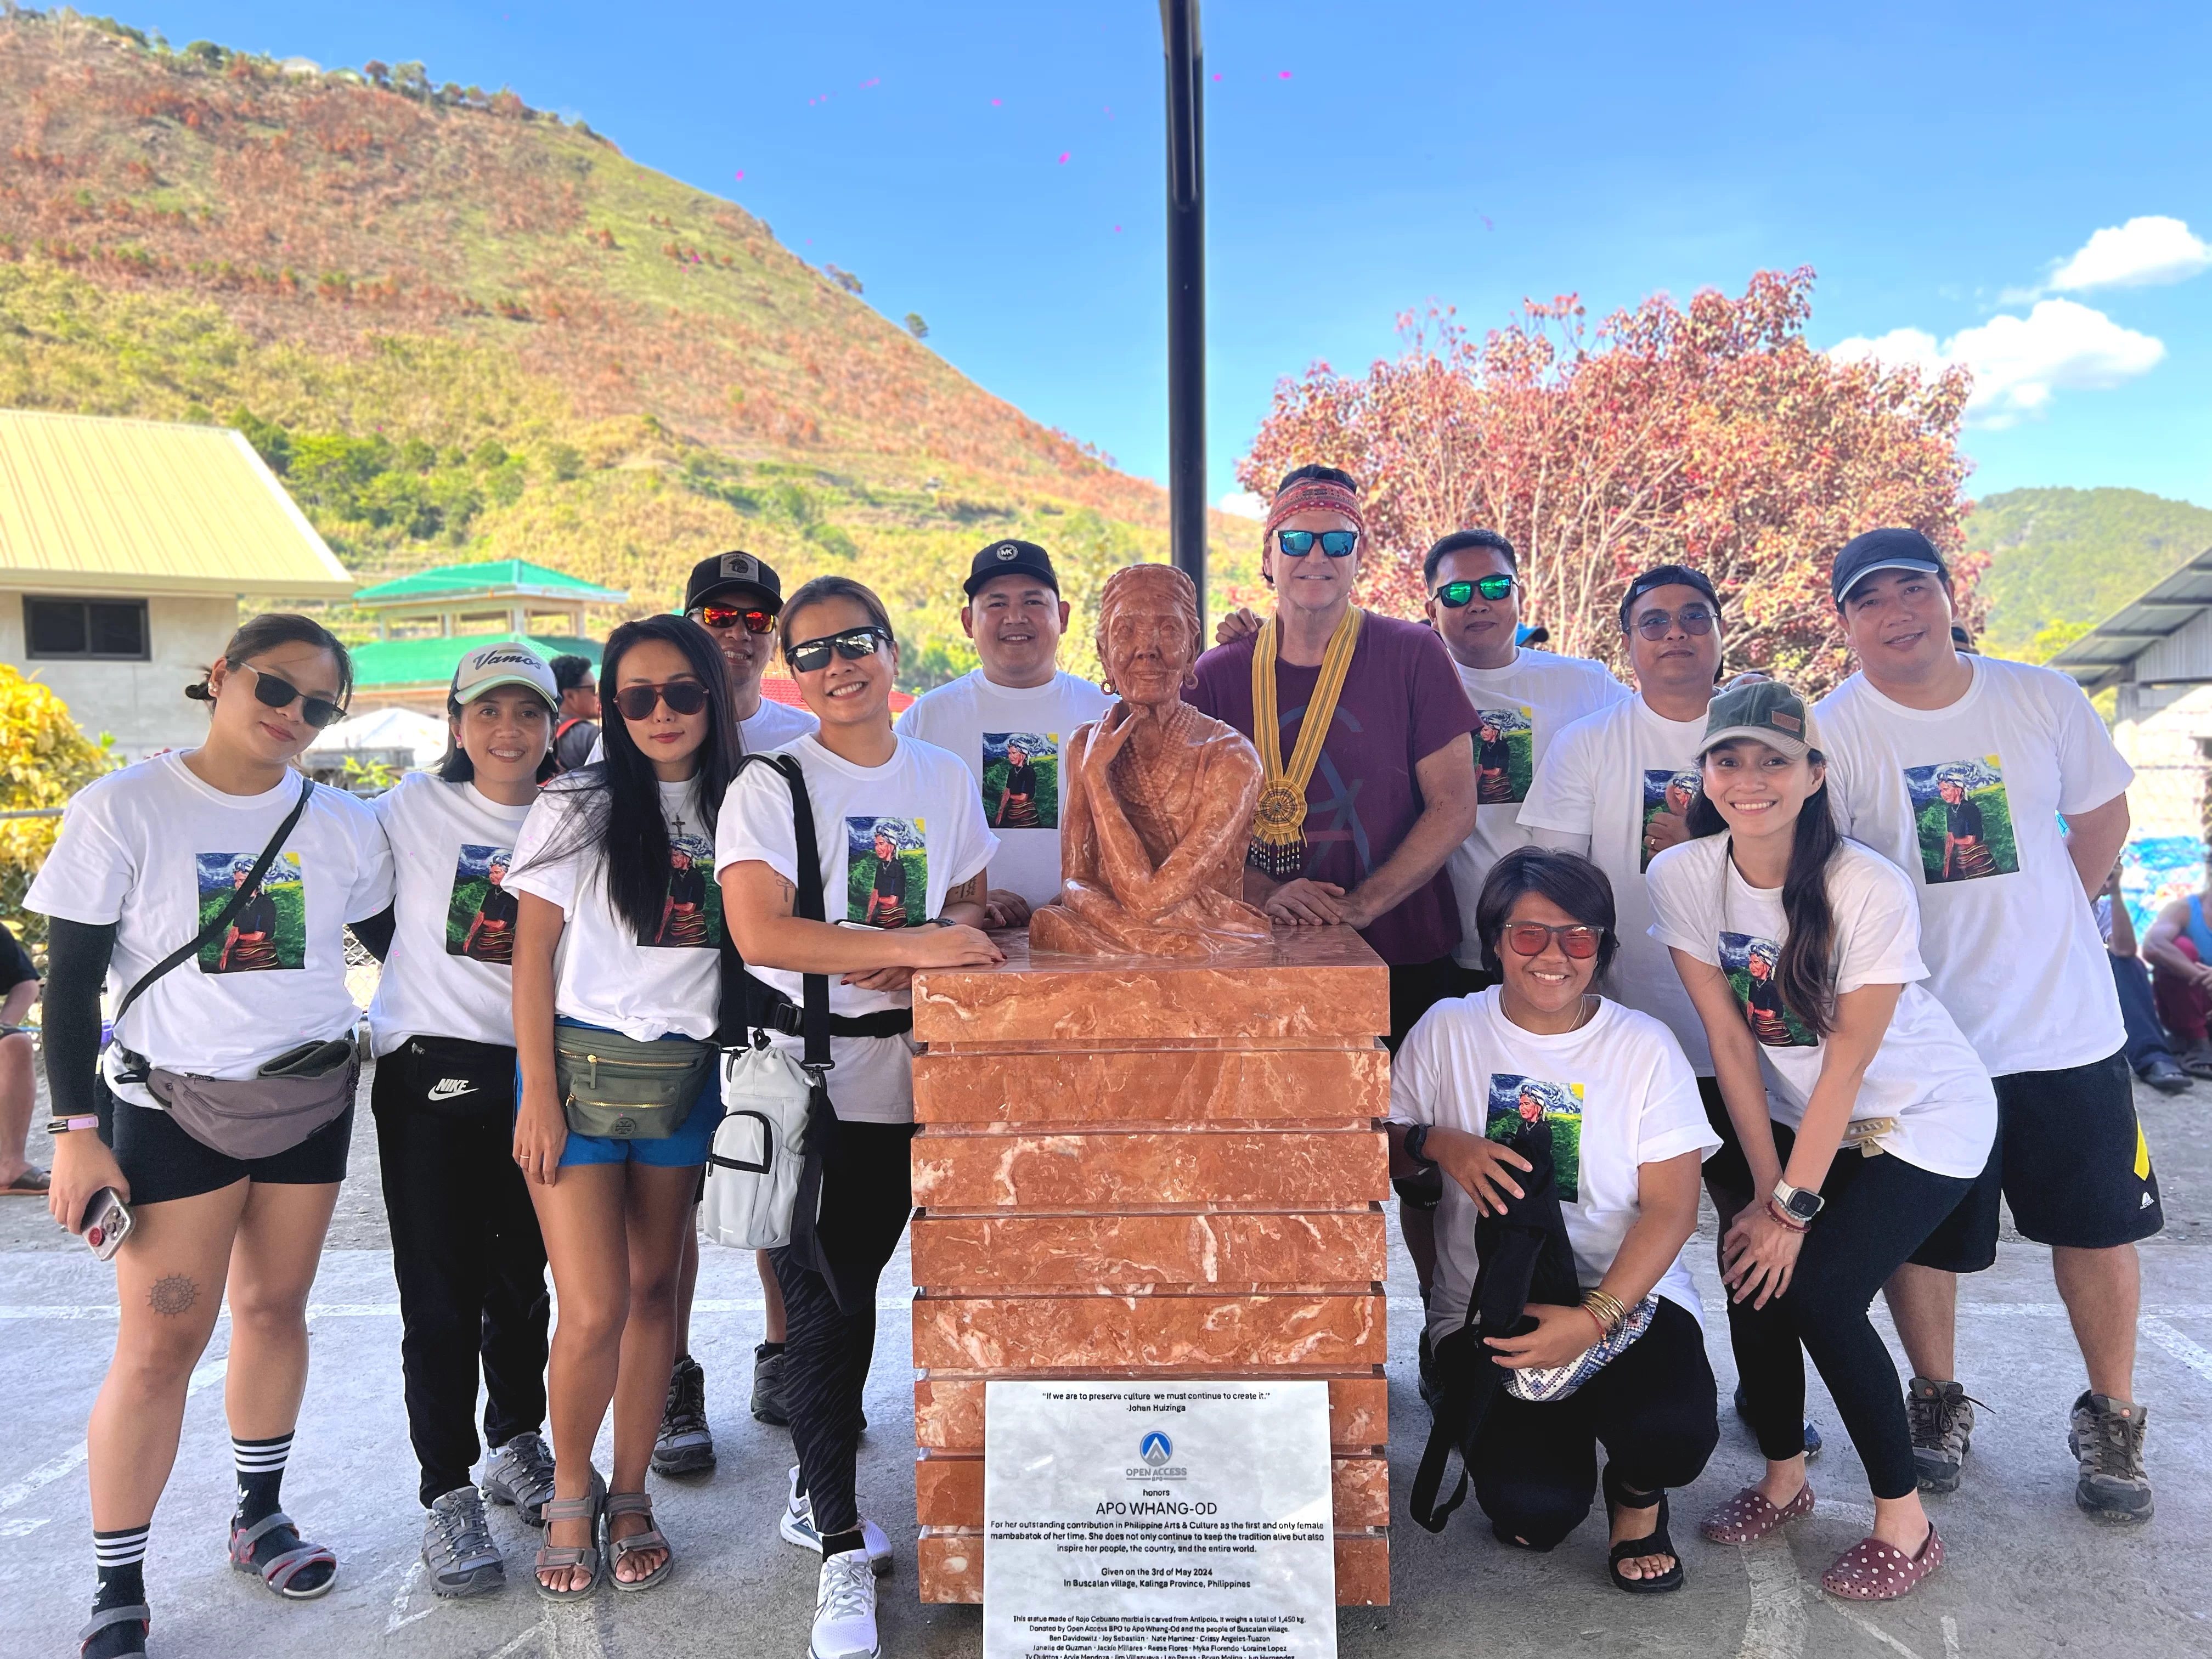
(107, 630)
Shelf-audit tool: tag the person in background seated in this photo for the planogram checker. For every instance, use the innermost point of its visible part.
(2179, 947)
(2149, 1050)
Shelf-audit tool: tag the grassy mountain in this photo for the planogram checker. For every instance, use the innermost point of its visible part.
(2062, 559)
(464, 329)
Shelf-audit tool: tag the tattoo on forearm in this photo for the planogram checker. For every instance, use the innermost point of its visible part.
(173, 1295)
(971, 891)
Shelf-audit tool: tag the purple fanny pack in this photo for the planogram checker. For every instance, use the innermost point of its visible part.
(255, 1117)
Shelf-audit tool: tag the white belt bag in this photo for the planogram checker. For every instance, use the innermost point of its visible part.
(758, 1153)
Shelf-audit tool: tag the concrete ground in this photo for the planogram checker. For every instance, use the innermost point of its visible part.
(2028, 1576)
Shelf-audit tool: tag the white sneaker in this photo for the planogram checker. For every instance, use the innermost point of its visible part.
(845, 1610)
(797, 1527)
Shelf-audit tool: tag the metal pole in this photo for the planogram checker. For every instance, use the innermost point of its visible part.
(1185, 109)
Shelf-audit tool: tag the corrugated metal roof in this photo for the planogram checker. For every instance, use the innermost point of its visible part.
(93, 505)
(2102, 656)
(497, 577)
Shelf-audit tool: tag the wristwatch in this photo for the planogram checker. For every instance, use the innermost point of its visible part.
(1800, 1204)
(1416, 1138)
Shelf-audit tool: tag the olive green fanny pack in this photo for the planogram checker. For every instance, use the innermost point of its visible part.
(623, 1090)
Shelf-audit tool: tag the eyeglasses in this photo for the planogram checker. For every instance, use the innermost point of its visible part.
(724, 615)
(1528, 939)
(1695, 619)
(1337, 543)
(275, 691)
(852, 645)
(1455, 594)
(637, 703)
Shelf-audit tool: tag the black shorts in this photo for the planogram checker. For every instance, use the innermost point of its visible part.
(2071, 1161)
(161, 1162)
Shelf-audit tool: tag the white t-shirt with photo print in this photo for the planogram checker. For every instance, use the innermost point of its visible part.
(157, 851)
(1604, 777)
(893, 840)
(1525, 705)
(985, 724)
(603, 974)
(1966, 800)
(1618, 1093)
(1926, 1074)
(450, 970)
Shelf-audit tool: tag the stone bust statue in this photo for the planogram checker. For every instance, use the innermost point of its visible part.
(1159, 797)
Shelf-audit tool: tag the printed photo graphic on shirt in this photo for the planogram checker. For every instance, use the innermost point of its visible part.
(1504, 755)
(886, 871)
(270, 931)
(1964, 819)
(691, 916)
(1664, 791)
(1021, 780)
(1515, 1102)
(1754, 966)
(480, 917)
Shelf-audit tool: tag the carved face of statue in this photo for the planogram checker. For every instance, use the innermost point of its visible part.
(1145, 635)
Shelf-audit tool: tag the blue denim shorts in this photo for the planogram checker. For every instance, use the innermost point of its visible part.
(685, 1149)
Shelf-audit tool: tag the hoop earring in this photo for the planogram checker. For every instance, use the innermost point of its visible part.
(1190, 679)
(1106, 686)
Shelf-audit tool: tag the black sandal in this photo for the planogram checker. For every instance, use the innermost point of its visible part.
(1655, 1542)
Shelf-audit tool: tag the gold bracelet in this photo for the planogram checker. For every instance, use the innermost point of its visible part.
(1606, 1308)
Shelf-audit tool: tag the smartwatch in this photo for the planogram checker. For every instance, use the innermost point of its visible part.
(1801, 1203)
(1417, 1137)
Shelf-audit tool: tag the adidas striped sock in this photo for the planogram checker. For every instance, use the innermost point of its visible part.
(260, 1476)
(120, 1558)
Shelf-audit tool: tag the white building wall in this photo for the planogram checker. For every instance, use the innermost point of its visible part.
(141, 704)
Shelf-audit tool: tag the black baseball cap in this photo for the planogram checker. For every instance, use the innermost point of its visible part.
(1884, 550)
(733, 569)
(1667, 576)
(1002, 558)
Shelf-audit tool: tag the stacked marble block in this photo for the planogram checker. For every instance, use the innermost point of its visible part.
(1138, 1168)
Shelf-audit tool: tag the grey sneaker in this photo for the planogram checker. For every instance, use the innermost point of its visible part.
(768, 1386)
(1942, 1419)
(797, 1527)
(2107, 1437)
(520, 1473)
(685, 1444)
(456, 1546)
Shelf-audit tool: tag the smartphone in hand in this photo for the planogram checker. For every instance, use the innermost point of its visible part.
(107, 1223)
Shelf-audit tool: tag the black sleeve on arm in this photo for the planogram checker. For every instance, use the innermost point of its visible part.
(76, 970)
(375, 932)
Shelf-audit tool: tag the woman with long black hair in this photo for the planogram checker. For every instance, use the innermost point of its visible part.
(617, 1104)
(879, 800)
(1801, 952)
(222, 1129)
(466, 1245)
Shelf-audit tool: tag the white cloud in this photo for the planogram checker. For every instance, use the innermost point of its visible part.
(2141, 253)
(2018, 362)
(1242, 504)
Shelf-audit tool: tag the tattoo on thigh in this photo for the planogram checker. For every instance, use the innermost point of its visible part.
(173, 1295)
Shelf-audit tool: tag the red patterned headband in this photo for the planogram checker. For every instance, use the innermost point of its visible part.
(1308, 494)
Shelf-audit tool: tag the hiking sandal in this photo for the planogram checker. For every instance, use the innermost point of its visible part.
(137, 1614)
(1748, 1517)
(636, 1503)
(553, 1558)
(279, 1570)
(1655, 1542)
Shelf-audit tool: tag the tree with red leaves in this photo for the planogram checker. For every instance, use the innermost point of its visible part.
(1713, 435)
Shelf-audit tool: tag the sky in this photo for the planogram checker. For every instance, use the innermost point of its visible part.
(2027, 188)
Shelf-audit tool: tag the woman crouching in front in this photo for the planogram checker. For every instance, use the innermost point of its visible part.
(877, 799)
(1628, 1133)
(618, 988)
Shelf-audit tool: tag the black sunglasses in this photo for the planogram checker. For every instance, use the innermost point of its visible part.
(853, 644)
(1695, 620)
(1455, 594)
(1337, 543)
(275, 691)
(637, 703)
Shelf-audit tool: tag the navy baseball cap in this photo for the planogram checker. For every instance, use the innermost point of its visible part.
(1884, 550)
(1003, 558)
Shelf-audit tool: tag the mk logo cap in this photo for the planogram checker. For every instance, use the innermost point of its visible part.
(734, 570)
(1007, 558)
(1765, 711)
(490, 666)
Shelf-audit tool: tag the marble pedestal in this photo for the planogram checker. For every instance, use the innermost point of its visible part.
(1132, 1167)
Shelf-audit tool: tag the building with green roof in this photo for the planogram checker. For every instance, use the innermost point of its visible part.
(426, 620)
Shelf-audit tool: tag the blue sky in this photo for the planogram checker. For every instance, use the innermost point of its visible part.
(1940, 166)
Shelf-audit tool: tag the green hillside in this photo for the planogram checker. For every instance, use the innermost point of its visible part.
(462, 329)
(2061, 559)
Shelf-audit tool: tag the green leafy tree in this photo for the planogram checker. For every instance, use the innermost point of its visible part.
(916, 326)
(44, 760)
